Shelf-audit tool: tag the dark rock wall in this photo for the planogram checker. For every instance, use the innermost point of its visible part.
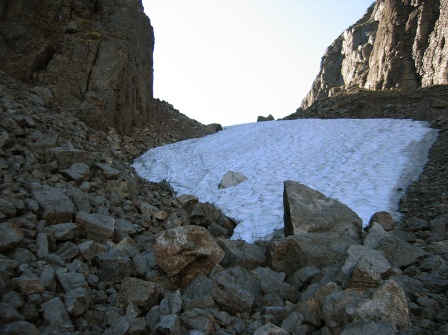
(398, 44)
(96, 56)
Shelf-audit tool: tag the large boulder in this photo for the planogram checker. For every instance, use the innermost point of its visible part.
(307, 249)
(187, 251)
(388, 303)
(308, 210)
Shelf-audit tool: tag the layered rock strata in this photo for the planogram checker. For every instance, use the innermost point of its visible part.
(96, 57)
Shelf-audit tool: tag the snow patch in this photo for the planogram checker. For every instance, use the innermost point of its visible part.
(361, 162)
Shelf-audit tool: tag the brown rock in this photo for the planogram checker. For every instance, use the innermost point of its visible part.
(384, 219)
(144, 294)
(187, 250)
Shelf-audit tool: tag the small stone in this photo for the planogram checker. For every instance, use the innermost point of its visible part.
(55, 205)
(67, 251)
(384, 219)
(29, 283)
(67, 156)
(108, 171)
(398, 252)
(90, 249)
(153, 211)
(78, 172)
(143, 294)
(169, 324)
(171, 303)
(96, 227)
(388, 303)
(270, 329)
(42, 246)
(9, 314)
(369, 328)
(113, 266)
(19, 328)
(231, 179)
(70, 280)
(239, 252)
(76, 301)
(11, 236)
(63, 231)
(55, 314)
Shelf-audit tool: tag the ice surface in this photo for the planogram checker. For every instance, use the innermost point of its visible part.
(361, 162)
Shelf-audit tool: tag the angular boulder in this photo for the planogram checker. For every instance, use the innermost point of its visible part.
(96, 227)
(388, 303)
(144, 294)
(307, 249)
(55, 206)
(308, 210)
(232, 179)
(187, 250)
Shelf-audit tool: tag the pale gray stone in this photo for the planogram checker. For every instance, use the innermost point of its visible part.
(232, 179)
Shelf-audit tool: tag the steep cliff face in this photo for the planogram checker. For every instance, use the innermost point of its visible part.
(398, 44)
(94, 55)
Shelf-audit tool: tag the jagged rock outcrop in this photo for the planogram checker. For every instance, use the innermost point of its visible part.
(96, 57)
(395, 45)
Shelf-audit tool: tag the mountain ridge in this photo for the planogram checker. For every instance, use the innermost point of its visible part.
(396, 45)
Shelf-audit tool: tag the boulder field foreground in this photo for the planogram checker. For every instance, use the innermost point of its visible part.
(87, 247)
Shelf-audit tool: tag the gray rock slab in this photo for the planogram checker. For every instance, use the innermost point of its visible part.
(114, 266)
(55, 314)
(78, 172)
(232, 179)
(308, 210)
(54, 204)
(11, 236)
(398, 252)
(96, 227)
(388, 303)
(67, 156)
(369, 328)
(144, 294)
(239, 252)
(307, 249)
(63, 231)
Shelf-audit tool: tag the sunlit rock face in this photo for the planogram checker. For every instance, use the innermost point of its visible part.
(395, 45)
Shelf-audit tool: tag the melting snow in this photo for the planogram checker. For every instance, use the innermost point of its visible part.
(366, 164)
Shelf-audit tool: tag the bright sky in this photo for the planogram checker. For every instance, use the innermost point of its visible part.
(229, 61)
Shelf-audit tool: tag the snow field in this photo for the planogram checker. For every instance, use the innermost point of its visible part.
(361, 162)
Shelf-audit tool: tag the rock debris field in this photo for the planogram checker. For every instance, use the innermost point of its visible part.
(366, 164)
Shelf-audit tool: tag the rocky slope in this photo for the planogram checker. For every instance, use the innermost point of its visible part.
(396, 45)
(87, 247)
